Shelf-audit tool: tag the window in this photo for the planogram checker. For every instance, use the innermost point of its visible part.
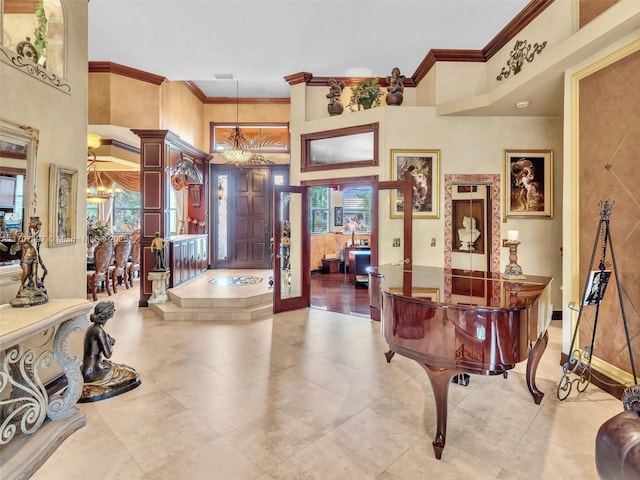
(319, 217)
(357, 208)
(126, 211)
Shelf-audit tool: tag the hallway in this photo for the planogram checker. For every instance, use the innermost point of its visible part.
(308, 395)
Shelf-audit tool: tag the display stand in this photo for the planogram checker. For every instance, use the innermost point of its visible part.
(579, 361)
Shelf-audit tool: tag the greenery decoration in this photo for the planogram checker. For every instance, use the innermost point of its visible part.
(366, 94)
(40, 33)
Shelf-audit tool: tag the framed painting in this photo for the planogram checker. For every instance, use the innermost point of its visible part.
(63, 194)
(528, 179)
(338, 220)
(423, 167)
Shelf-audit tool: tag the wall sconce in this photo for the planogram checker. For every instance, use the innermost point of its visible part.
(220, 190)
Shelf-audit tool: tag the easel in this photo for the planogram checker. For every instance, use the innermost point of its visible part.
(579, 361)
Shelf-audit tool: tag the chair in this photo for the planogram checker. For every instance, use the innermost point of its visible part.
(102, 259)
(133, 266)
(121, 258)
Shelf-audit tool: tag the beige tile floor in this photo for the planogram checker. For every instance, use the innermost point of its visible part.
(308, 395)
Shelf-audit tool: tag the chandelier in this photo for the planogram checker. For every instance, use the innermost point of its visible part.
(236, 153)
(97, 193)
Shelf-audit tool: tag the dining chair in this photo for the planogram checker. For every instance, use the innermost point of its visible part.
(102, 256)
(133, 266)
(121, 258)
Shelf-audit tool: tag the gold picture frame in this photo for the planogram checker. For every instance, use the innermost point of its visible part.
(424, 167)
(528, 183)
(63, 194)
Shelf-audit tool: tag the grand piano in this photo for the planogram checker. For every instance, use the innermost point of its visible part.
(456, 322)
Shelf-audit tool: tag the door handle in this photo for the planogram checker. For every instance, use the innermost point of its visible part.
(407, 261)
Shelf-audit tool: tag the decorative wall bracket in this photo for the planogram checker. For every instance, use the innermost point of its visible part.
(33, 69)
(522, 51)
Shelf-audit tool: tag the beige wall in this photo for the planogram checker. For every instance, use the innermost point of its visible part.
(61, 119)
(472, 145)
(182, 113)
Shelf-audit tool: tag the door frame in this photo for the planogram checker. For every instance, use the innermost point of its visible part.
(304, 299)
(225, 169)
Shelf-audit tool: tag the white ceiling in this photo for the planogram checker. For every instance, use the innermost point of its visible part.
(262, 41)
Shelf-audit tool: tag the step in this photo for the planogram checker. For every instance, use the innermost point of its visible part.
(184, 300)
(173, 312)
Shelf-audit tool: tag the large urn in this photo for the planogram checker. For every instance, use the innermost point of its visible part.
(394, 98)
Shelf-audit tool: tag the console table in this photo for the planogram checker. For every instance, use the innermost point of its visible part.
(32, 424)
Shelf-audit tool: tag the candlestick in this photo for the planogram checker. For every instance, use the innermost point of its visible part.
(512, 235)
(513, 271)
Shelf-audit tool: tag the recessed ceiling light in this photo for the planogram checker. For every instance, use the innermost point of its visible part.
(223, 76)
(523, 104)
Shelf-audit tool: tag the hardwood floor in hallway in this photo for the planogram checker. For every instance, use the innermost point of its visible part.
(333, 292)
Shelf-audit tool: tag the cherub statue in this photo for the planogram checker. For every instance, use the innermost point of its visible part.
(395, 81)
(335, 90)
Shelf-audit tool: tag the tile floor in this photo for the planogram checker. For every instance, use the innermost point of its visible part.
(308, 395)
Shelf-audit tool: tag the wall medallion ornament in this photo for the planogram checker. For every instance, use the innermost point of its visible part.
(522, 51)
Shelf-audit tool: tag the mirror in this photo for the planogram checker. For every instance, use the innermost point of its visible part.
(18, 151)
(342, 148)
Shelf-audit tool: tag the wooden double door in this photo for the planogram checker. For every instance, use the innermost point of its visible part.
(248, 201)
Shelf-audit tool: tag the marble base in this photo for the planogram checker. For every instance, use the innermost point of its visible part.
(158, 281)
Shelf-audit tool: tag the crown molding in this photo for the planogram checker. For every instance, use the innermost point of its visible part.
(117, 69)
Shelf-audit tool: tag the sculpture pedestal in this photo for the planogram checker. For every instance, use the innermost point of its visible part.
(158, 281)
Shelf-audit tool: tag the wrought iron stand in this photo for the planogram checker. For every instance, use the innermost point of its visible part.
(579, 361)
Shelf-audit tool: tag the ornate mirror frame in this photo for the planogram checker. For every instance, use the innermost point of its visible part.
(24, 140)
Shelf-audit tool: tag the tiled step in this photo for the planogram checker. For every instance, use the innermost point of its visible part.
(174, 312)
(183, 299)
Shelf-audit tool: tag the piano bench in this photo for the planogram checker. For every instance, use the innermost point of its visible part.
(618, 442)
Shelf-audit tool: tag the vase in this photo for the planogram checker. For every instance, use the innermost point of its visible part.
(394, 98)
(335, 108)
(366, 103)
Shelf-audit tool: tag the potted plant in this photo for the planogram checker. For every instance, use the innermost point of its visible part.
(366, 94)
(40, 39)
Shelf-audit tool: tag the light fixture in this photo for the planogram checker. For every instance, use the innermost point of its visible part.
(523, 104)
(236, 153)
(97, 193)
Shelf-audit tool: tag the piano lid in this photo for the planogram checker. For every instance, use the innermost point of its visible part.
(461, 287)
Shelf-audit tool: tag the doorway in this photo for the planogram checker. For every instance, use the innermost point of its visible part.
(241, 215)
(340, 221)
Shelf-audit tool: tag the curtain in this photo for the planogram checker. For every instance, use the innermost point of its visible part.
(126, 179)
(180, 210)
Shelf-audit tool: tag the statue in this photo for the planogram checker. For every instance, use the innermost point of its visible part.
(32, 290)
(395, 87)
(468, 234)
(102, 378)
(157, 248)
(335, 91)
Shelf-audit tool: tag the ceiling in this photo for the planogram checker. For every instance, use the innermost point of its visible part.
(259, 42)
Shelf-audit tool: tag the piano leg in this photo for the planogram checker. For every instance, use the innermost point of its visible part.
(389, 355)
(439, 379)
(532, 366)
